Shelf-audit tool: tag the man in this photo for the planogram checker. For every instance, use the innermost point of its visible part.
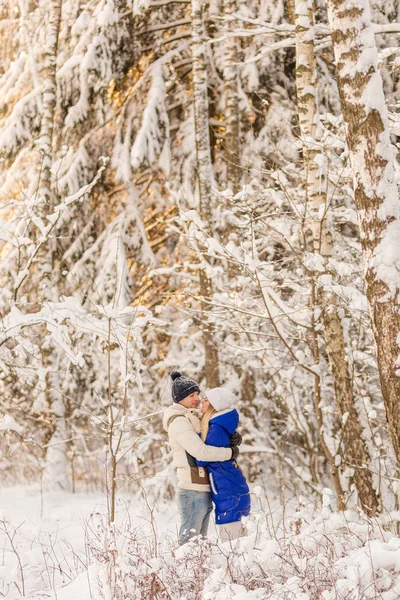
(182, 423)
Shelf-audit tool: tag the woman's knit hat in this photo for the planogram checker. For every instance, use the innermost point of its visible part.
(221, 398)
(182, 386)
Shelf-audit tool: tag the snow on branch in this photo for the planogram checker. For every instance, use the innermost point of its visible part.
(56, 219)
(20, 124)
(106, 260)
(66, 318)
(154, 131)
(151, 142)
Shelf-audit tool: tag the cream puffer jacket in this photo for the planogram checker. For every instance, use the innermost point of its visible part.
(183, 425)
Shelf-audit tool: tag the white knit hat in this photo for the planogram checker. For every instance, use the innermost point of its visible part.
(221, 398)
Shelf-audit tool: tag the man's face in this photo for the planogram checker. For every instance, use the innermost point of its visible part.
(191, 401)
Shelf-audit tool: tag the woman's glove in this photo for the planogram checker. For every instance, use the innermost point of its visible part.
(236, 439)
(235, 452)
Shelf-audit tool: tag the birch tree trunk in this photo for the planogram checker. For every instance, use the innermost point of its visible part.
(56, 471)
(231, 81)
(49, 99)
(205, 178)
(376, 194)
(56, 475)
(48, 108)
(356, 452)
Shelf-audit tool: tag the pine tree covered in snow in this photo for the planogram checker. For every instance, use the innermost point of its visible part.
(179, 175)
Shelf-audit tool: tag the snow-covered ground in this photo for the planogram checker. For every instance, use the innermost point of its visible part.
(59, 546)
(44, 539)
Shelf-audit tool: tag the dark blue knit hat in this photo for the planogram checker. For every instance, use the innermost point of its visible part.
(182, 386)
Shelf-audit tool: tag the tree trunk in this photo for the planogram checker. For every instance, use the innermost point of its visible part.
(205, 177)
(56, 474)
(290, 10)
(205, 173)
(231, 81)
(331, 458)
(375, 190)
(48, 107)
(355, 449)
(49, 99)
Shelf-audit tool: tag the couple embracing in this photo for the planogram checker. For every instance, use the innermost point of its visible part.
(204, 453)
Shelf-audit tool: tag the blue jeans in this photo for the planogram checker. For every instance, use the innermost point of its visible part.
(194, 509)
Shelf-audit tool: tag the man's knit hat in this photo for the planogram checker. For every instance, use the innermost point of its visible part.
(221, 398)
(182, 386)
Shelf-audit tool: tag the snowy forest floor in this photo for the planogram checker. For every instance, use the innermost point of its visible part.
(59, 546)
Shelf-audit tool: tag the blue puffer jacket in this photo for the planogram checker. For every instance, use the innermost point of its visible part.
(229, 490)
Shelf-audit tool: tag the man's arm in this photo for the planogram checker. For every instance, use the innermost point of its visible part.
(213, 439)
(185, 435)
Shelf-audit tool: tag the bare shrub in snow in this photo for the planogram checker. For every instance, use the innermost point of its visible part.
(315, 555)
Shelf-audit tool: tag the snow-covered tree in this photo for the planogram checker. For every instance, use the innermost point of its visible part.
(316, 217)
(375, 188)
(192, 172)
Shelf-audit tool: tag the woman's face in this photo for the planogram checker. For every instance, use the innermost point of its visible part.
(204, 405)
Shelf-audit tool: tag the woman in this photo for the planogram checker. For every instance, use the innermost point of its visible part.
(229, 490)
